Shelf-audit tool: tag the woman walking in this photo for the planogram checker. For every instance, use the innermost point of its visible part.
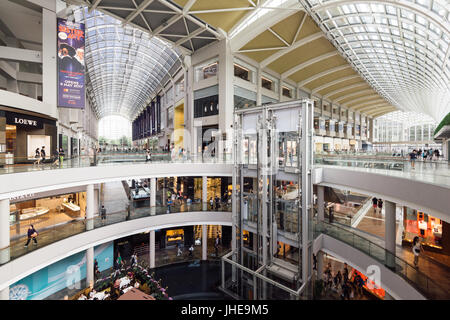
(37, 156)
(417, 248)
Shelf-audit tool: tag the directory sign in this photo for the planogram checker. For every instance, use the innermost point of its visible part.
(71, 68)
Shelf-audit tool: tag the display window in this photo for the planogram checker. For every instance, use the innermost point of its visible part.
(174, 236)
(428, 228)
(369, 285)
(46, 212)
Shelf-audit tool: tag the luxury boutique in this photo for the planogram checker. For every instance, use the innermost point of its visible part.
(24, 132)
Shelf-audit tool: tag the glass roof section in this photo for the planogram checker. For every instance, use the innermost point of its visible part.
(125, 66)
(409, 118)
(402, 48)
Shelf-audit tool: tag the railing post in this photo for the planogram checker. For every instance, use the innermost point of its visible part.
(205, 193)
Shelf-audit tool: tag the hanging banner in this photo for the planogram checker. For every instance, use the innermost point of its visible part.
(71, 90)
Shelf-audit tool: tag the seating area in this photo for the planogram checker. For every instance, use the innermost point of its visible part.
(136, 279)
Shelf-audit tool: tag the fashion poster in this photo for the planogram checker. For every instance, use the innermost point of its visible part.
(71, 67)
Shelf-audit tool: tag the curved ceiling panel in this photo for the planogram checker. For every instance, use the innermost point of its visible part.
(125, 66)
(402, 48)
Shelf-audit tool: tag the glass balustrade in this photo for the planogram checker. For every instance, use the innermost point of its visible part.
(77, 226)
(429, 288)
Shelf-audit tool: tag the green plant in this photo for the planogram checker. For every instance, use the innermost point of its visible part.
(444, 122)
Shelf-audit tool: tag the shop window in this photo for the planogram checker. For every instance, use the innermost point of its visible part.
(287, 92)
(206, 71)
(207, 106)
(266, 83)
(241, 72)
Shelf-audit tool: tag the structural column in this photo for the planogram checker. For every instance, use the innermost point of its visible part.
(4, 294)
(90, 202)
(390, 234)
(152, 196)
(90, 266)
(49, 71)
(205, 193)
(319, 258)
(320, 202)
(151, 248)
(4, 231)
(204, 242)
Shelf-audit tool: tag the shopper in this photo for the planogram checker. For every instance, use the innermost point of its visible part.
(374, 204)
(148, 156)
(191, 250)
(179, 252)
(133, 260)
(43, 153)
(119, 261)
(61, 156)
(32, 234)
(330, 213)
(211, 203)
(217, 244)
(416, 248)
(96, 270)
(56, 158)
(37, 156)
(345, 273)
(412, 158)
(103, 213)
(380, 205)
(217, 200)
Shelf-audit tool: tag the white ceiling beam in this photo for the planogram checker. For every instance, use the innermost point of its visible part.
(138, 10)
(353, 86)
(190, 36)
(299, 27)
(369, 103)
(377, 106)
(354, 94)
(260, 49)
(279, 37)
(306, 64)
(188, 6)
(374, 94)
(94, 6)
(332, 83)
(323, 74)
(296, 45)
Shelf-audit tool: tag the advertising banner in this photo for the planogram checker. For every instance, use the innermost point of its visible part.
(71, 68)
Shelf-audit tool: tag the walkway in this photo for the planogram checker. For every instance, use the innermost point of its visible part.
(437, 272)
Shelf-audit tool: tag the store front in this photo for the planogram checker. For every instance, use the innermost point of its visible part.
(45, 212)
(430, 230)
(24, 133)
(216, 187)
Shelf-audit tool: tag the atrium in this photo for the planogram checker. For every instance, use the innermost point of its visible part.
(224, 150)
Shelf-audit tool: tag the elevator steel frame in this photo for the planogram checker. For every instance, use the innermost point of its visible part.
(267, 167)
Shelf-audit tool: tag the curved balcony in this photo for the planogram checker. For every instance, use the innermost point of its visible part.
(398, 277)
(62, 241)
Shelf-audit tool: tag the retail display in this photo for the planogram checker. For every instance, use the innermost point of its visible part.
(33, 212)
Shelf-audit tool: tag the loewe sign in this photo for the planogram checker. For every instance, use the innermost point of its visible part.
(24, 120)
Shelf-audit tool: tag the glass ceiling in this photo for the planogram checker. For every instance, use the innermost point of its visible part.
(409, 118)
(402, 48)
(124, 65)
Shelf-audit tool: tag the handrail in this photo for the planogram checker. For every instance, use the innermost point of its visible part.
(420, 281)
(77, 226)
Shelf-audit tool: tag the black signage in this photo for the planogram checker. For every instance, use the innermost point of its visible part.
(23, 120)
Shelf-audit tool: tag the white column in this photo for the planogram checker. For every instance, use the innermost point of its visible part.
(205, 192)
(4, 231)
(319, 264)
(152, 249)
(4, 294)
(320, 202)
(390, 234)
(152, 196)
(204, 242)
(49, 70)
(90, 266)
(90, 203)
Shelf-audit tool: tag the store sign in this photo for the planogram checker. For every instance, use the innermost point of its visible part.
(71, 67)
(23, 120)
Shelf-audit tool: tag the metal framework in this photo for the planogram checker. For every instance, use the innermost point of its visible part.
(401, 47)
(125, 65)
